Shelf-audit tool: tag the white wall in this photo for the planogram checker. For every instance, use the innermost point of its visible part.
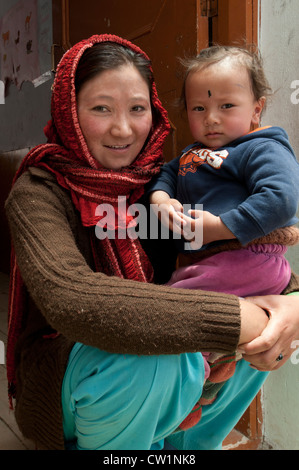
(279, 45)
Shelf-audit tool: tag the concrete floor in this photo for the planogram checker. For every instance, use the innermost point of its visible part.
(10, 436)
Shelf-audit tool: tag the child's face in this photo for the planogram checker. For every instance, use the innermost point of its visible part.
(220, 104)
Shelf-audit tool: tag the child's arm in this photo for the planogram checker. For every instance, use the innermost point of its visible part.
(270, 173)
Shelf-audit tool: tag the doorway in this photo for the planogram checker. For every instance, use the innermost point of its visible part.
(167, 30)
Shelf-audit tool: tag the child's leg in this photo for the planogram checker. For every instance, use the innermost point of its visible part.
(256, 270)
(220, 418)
(114, 401)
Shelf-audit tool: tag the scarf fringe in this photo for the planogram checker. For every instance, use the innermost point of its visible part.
(221, 371)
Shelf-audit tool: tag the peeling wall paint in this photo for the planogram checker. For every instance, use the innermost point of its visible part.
(25, 111)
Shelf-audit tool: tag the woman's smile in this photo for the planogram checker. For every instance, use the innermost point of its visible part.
(117, 147)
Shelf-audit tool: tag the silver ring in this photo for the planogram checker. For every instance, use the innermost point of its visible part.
(279, 358)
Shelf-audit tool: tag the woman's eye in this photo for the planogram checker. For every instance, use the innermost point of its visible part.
(138, 108)
(100, 109)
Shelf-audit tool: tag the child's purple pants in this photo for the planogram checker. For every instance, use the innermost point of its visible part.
(255, 270)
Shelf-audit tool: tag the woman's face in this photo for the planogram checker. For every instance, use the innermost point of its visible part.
(114, 111)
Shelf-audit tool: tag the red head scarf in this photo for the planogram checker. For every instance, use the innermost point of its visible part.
(67, 156)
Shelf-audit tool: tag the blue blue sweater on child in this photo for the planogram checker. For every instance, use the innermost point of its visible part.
(252, 184)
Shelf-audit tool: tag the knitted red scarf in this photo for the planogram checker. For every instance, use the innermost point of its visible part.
(67, 156)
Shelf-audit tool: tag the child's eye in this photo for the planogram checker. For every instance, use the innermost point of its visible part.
(227, 106)
(198, 108)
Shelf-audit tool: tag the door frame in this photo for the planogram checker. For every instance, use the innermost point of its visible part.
(236, 23)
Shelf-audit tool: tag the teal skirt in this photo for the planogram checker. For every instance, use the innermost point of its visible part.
(128, 402)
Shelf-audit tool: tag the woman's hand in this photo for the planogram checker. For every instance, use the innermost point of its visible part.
(279, 337)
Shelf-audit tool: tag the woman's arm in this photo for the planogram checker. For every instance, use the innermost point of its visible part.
(253, 322)
(111, 313)
(114, 314)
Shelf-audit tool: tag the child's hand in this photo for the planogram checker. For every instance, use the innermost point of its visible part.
(168, 211)
(210, 227)
(198, 228)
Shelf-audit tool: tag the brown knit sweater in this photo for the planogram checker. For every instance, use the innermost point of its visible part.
(66, 295)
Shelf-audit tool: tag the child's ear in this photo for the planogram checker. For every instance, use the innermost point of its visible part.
(260, 104)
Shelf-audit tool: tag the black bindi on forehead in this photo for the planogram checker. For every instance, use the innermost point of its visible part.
(209, 93)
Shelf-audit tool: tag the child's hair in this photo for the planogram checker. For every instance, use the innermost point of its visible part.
(252, 61)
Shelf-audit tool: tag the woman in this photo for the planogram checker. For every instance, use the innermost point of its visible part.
(99, 357)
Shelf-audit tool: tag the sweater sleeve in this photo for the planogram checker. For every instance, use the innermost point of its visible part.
(271, 175)
(110, 313)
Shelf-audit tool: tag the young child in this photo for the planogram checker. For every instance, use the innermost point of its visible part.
(245, 177)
